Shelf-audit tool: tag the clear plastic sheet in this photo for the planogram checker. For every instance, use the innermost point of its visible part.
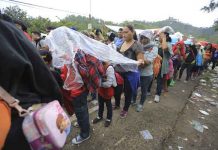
(167, 29)
(64, 42)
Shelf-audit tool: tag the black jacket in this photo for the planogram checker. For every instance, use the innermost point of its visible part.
(22, 71)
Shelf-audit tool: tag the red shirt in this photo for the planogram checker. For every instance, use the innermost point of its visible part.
(27, 35)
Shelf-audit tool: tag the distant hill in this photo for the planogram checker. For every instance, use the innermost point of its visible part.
(81, 23)
(208, 34)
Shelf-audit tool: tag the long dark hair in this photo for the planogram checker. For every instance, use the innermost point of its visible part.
(131, 28)
(135, 36)
(168, 38)
(194, 49)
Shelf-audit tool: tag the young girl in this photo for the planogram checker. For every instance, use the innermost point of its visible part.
(105, 93)
(199, 61)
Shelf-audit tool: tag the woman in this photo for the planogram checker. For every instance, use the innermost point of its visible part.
(189, 62)
(146, 72)
(99, 36)
(110, 41)
(132, 50)
(208, 55)
(165, 51)
(177, 58)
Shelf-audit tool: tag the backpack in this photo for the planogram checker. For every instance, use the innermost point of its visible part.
(119, 78)
(106, 93)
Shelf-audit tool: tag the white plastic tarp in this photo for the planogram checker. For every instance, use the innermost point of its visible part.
(64, 42)
(116, 29)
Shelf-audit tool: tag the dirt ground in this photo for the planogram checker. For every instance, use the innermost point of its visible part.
(167, 121)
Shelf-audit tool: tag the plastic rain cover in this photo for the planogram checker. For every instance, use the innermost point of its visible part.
(64, 42)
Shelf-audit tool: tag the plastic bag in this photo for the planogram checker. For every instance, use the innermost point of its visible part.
(64, 43)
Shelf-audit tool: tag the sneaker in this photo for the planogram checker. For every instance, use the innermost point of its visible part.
(172, 83)
(149, 94)
(96, 120)
(157, 98)
(78, 139)
(76, 125)
(139, 108)
(123, 114)
(107, 123)
(185, 81)
(116, 107)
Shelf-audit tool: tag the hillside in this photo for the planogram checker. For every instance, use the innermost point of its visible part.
(187, 29)
(81, 23)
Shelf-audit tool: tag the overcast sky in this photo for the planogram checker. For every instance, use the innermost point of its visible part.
(187, 11)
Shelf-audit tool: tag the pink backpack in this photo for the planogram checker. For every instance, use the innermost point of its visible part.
(47, 128)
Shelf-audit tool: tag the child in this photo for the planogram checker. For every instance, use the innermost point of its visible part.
(105, 93)
(199, 61)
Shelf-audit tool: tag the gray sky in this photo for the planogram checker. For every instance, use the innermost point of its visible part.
(187, 11)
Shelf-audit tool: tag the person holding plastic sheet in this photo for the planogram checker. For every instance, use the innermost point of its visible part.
(189, 62)
(146, 72)
(165, 51)
(110, 40)
(99, 36)
(25, 76)
(132, 50)
(119, 88)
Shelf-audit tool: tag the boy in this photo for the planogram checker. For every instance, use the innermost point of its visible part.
(105, 93)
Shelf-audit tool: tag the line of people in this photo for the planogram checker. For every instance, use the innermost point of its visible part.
(33, 82)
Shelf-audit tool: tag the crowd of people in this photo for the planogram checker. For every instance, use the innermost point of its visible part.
(33, 79)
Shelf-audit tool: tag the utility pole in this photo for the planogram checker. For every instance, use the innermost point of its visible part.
(90, 16)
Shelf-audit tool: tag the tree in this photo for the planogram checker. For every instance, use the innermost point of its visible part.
(39, 24)
(211, 7)
(15, 13)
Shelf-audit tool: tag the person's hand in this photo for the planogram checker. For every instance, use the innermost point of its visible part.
(140, 62)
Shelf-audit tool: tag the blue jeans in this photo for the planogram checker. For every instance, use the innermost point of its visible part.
(128, 94)
(159, 84)
(82, 114)
(145, 82)
(117, 94)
